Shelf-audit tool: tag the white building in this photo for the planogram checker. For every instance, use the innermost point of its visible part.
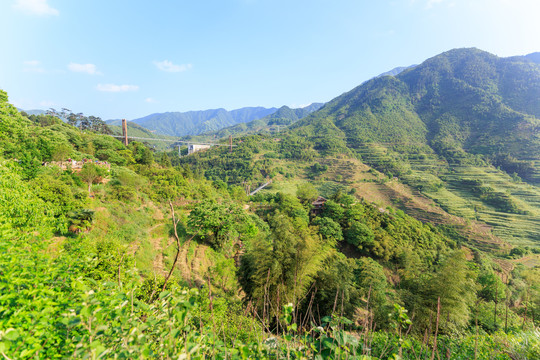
(192, 148)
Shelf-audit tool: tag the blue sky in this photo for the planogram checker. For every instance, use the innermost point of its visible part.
(128, 59)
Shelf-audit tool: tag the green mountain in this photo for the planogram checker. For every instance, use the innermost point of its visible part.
(129, 253)
(535, 57)
(462, 127)
(197, 122)
(33, 112)
(284, 116)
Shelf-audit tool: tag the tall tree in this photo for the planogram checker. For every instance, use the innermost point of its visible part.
(285, 264)
(453, 283)
(89, 173)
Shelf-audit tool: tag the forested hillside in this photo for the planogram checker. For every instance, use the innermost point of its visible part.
(197, 122)
(350, 252)
(284, 116)
(462, 127)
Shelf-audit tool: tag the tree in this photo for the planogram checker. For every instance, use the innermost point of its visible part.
(72, 119)
(290, 205)
(61, 152)
(306, 192)
(492, 287)
(284, 265)
(360, 235)
(453, 283)
(141, 153)
(372, 281)
(221, 224)
(336, 276)
(84, 122)
(328, 229)
(165, 161)
(89, 173)
(333, 210)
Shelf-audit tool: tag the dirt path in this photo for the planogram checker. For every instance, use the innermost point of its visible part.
(156, 245)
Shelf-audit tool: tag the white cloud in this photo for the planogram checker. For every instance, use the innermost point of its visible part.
(33, 66)
(84, 68)
(38, 7)
(150, 100)
(168, 66)
(116, 88)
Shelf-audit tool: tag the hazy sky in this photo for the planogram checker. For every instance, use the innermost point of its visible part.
(130, 58)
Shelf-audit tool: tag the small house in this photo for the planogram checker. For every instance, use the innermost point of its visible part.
(318, 205)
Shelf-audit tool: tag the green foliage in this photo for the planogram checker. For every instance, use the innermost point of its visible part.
(297, 148)
(282, 267)
(328, 229)
(462, 112)
(81, 296)
(453, 284)
(21, 211)
(80, 220)
(336, 276)
(165, 161)
(141, 154)
(306, 193)
(290, 205)
(492, 287)
(333, 210)
(90, 173)
(360, 235)
(221, 225)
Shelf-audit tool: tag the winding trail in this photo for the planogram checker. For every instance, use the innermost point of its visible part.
(157, 264)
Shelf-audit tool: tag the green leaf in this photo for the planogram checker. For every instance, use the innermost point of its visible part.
(11, 334)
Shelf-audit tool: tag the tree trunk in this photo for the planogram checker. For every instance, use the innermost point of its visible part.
(436, 329)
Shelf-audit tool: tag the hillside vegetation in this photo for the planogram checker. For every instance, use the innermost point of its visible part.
(462, 127)
(272, 123)
(144, 254)
(197, 122)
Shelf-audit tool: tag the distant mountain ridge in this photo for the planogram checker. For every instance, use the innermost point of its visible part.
(284, 116)
(396, 71)
(197, 122)
(464, 99)
(33, 112)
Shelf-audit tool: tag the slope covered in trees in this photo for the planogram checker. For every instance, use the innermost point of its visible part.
(197, 122)
(444, 126)
(167, 257)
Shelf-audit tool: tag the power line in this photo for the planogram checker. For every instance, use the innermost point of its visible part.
(175, 141)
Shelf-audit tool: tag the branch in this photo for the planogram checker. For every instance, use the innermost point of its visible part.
(177, 238)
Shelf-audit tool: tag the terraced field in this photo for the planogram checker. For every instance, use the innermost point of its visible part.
(346, 174)
(508, 206)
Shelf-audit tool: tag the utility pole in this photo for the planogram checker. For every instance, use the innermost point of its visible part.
(124, 131)
(179, 153)
(230, 143)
